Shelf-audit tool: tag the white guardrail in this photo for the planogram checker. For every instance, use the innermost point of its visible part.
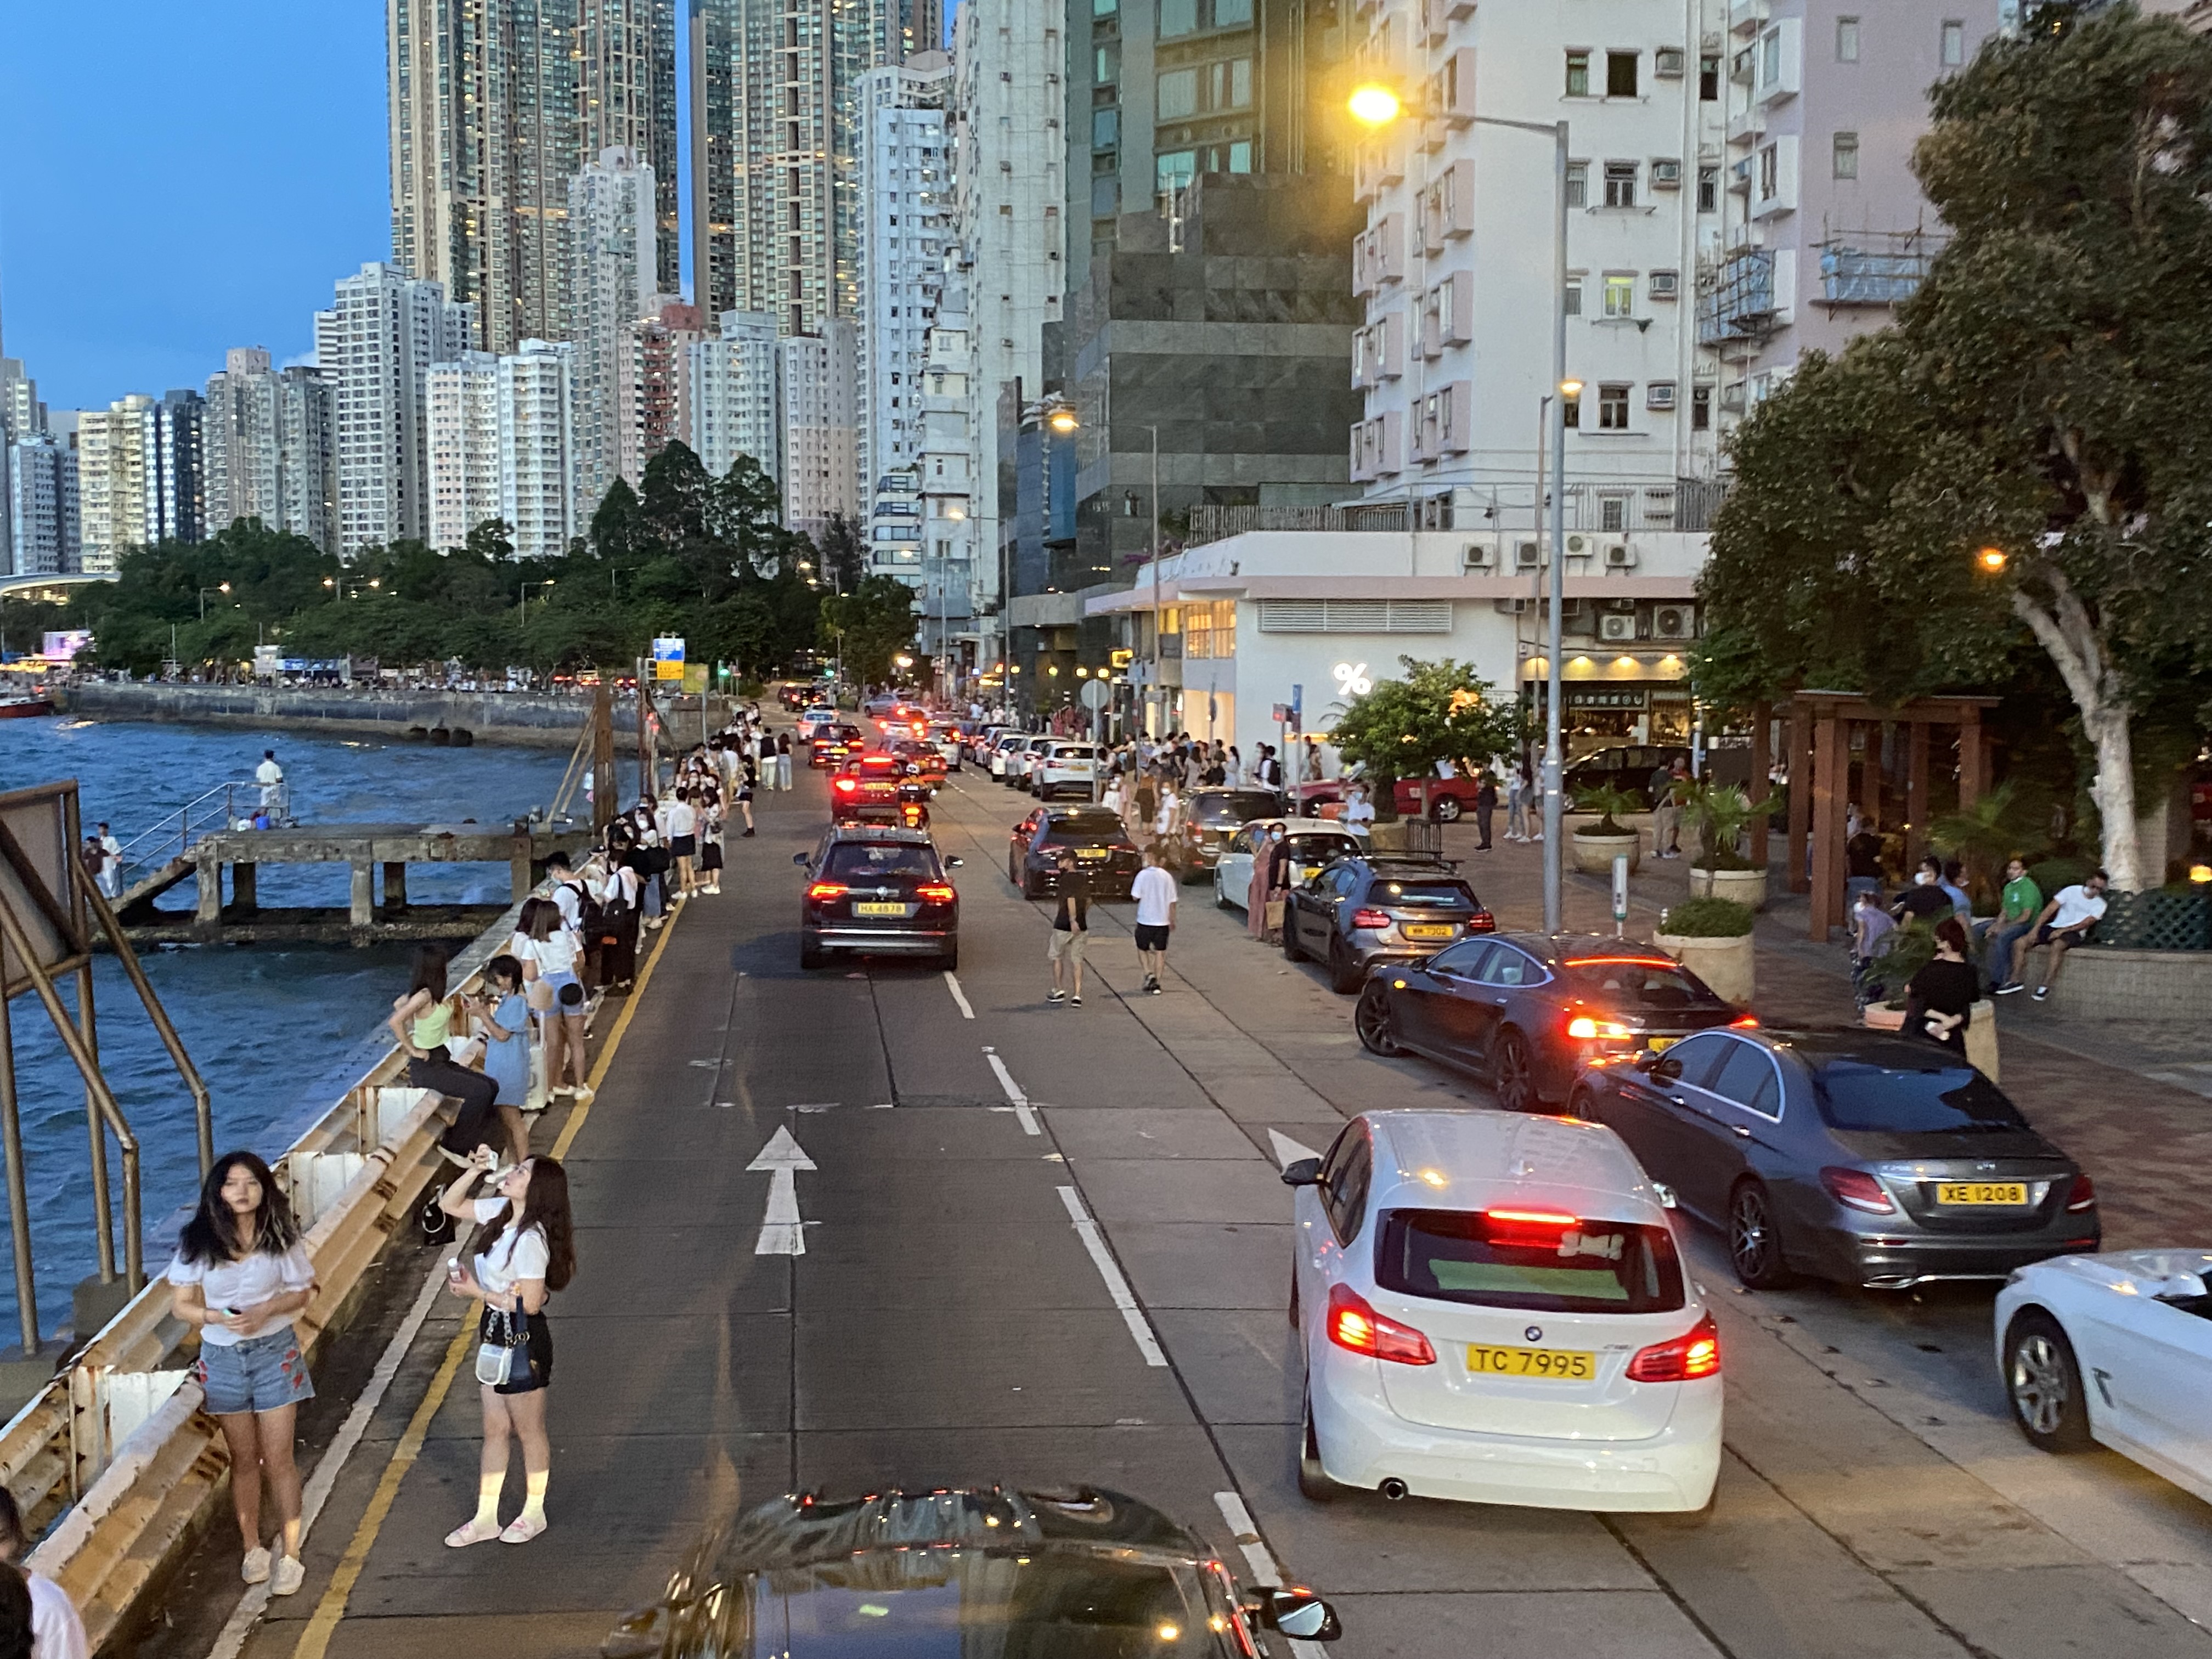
(117, 1445)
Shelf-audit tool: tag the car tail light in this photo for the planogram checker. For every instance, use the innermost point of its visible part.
(1584, 1029)
(1747, 1023)
(1482, 922)
(1695, 1353)
(847, 785)
(1370, 918)
(1859, 1189)
(2082, 1195)
(1354, 1325)
(936, 892)
(826, 889)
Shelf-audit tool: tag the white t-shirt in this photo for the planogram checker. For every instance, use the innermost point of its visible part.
(553, 954)
(1154, 890)
(682, 820)
(2075, 905)
(56, 1632)
(1357, 815)
(243, 1284)
(570, 905)
(269, 772)
(518, 1255)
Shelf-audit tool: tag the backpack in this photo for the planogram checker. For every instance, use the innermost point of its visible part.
(590, 914)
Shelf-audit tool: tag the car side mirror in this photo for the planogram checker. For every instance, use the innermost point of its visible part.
(954, 863)
(1301, 1172)
(1660, 1068)
(1299, 1614)
(1665, 1194)
(799, 859)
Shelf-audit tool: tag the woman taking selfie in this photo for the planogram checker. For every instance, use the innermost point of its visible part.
(241, 1275)
(422, 1020)
(526, 1251)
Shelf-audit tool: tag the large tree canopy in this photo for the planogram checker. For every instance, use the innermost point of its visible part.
(2014, 462)
(1441, 711)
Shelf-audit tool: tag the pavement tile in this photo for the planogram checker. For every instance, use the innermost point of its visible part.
(1138, 1132)
(1207, 1264)
(2056, 1613)
(1240, 1364)
(1140, 1192)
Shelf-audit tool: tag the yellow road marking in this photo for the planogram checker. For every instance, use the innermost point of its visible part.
(315, 1640)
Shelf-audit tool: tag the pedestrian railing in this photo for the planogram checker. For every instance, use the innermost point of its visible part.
(172, 837)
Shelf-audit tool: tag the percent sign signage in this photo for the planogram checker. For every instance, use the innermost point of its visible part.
(1352, 679)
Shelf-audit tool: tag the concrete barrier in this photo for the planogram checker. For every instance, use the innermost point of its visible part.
(2139, 987)
(509, 717)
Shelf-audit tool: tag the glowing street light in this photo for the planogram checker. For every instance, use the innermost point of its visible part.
(1374, 105)
(1991, 559)
(1062, 420)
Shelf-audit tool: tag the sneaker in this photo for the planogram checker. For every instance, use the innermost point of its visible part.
(1056, 996)
(1152, 988)
(254, 1570)
(2042, 992)
(584, 1092)
(2006, 989)
(288, 1577)
(747, 833)
(1075, 1002)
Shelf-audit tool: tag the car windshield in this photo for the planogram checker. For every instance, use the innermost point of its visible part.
(1444, 895)
(1494, 1261)
(1079, 828)
(1868, 1097)
(1232, 806)
(1633, 982)
(851, 859)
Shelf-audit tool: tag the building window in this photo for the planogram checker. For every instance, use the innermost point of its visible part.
(1173, 170)
(1578, 75)
(1619, 294)
(1847, 40)
(1620, 184)
(1177, 96)
(1847, 156)
(1612, 407)
(1104, 7)
(1708, 189)
(1178, 17)
(1709, 79)
(1573, 296)
(1578, 184)
(1612, 510)
(1621, 74)
(1240, 156)
(1573, 410)
(1229, 85)
(1231, 13)
(1106, 63)
(1105, 128)
(1770, 173)
(1955, 43)
(1105, 196)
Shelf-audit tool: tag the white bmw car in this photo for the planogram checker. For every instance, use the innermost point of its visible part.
(2114, 1349)
(1492, 1309)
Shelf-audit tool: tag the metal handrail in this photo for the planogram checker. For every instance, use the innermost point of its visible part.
(178, 825)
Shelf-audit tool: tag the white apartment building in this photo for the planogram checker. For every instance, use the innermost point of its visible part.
(40, 507)
(503, 447)
(906, 189)
(949, 595)
(821, 478)
(1009, 60)
(375, 346)
(463, 412)
(730, 394)
(269, 447)
(652, 387)
(611, 286)
(138, 465)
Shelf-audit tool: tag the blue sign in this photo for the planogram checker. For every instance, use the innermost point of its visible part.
(1297, 700)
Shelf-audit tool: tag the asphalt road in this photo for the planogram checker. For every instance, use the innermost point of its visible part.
(983, 1181)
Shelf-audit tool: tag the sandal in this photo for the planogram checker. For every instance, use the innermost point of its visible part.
(467, 1534)
(522, 1529)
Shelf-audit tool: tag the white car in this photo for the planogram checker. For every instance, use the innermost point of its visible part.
(1317, 848)
(812, 720)
(948, 742)
(1064, 768)
(1492, 1309)
(2136, 1327)
(1003, 752)
(1022, 758)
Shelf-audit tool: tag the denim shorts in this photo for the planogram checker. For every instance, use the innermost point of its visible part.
(257, 1375)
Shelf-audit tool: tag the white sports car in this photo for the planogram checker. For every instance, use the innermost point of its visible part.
(2114, 1349)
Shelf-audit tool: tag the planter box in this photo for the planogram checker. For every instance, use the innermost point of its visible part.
(1594, 855)
(1725, 965)
(1981, 1033)
(1744, 886)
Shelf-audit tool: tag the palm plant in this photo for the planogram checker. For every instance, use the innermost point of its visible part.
(1607, 800)
(2005, 821)
(1718, 812)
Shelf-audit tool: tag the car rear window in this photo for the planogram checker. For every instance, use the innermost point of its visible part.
(1878, 1099)
(849, 859)
(1241, 805)
(1321, 846)
(1448, 894)
(1628, 983)
(1074, 751)
(1491, 1261)
(1088, 827)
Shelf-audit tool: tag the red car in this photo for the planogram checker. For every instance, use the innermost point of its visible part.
(877, 789)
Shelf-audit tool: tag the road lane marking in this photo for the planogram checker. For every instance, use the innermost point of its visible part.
(1023, 1111)
(1258, 1558)
(1116, 1286)
(782, 1232)
(1287, 1151)
(952, 984)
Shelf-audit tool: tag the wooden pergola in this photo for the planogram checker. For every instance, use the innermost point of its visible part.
(1820, 766)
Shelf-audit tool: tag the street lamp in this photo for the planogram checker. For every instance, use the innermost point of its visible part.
(220, 587)
(1375, 105)
(1991, 559)
(522, 606)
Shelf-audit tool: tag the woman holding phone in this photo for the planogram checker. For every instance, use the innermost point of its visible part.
(525, 1251)
(241, 1275)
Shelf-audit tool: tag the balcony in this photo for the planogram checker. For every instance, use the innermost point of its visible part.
(1875, 270)
(1735, 299)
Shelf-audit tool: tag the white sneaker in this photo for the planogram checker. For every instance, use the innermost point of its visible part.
(254, 1570)
(288, 1577)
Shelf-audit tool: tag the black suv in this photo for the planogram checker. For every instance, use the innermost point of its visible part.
(1362, 911)
(878, 890)
(1211, 816)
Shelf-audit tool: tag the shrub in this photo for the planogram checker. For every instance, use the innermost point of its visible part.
(1606, 800)
(2051, 874)
(1707, 918)
(1903, 953)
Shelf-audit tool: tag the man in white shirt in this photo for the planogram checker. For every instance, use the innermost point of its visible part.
(2065, 922)
(1358, 815)
(111, 872)
(1154, 890)
(270, 777)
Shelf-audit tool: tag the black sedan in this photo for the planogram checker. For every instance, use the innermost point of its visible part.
(1083, 1574)
(1362, 911)
(1103, 852)
(1870, 1159)
(1528, 1010)
(1211, 817)
(877, 890)
(832, 745)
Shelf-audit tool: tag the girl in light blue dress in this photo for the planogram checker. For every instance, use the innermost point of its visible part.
(505, 1015)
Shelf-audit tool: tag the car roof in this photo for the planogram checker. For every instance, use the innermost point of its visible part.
(1819, 1049)
(1567, 948)
(1488, 1159)
(880, 832)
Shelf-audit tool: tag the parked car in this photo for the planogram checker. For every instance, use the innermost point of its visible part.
(1100, 840)
(1021, 758)
(1527, 1012)
(2137, 1321)
(1212, 817)
(873, 890)
(1003, 750)
(1314, 849)
(1362, 911)
(1492, 1308)
(1064, 768)
(1853, 1156)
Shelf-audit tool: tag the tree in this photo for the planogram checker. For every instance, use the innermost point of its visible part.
(2003, 466)
(1441, 711)
(869, 627)
(840, 554)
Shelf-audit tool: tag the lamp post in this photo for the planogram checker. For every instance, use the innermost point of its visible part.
(522, 606)
(1376, 106)
(220, 587)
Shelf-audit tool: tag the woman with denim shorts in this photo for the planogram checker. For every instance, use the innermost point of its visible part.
(241, 1275)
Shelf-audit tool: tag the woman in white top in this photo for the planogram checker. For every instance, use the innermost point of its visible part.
(241, 1275)
(683, 832)
(526, 1251)
(1169, 813)
(554, 951)
(56, 1631)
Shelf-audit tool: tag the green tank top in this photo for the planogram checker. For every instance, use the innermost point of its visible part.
(433, 1025)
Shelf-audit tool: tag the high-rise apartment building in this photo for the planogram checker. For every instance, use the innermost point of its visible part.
(40, 507)
(949, 572)
(821, 476)
(906, 184)
(611, 286)
(494, 106)
(502, 447)
(652, 386)
(269, 447)
(176, 509)
(375, 346)
(730, 394)
(139, 476)
(462, 395)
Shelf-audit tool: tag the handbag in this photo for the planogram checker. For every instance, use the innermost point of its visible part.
(507, 1359)
(1274, 916)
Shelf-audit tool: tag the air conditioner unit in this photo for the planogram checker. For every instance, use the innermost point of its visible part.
(1515, 607)
(1578, 547)
(1660, 395)
(1620, 556)
(1674, 621)
(1667, 173)
(1476, 556)
(1528, 557)
(1666, 63)
(1663, 284)
(1613, 630)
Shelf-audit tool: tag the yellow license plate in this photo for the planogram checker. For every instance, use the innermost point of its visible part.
(1657, 1043)
(1312, 870)
(1551, 1365)
(880, 909)
(1426, 930)
(1091, 852)
(2013, 1192)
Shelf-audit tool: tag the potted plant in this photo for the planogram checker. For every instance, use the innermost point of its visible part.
(1596, 845)
(1719, 813)
(1711, 938)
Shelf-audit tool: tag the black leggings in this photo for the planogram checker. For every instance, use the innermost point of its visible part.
(472, 1122)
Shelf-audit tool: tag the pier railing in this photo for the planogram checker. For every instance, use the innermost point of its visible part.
(172, 836)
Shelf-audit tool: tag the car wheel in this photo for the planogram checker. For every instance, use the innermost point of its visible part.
(1220, 894)
(1372, 1020)
(1343, 969)
(950, 960)
(1754, 1240)
(1515, 1074)
(1031, 888)
(811, 957)
(1583, 1104)
(1446, 808)
(1290, 950)
(1314, 1483)
(2043, 1381)
(1295, 1321)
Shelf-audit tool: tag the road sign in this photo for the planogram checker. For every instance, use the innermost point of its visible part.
(1096, 694)
(668, 658)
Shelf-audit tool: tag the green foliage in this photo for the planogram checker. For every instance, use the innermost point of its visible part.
(2008, 819)
(1718, 812)
(1706, 918)
(2050, 875)
(1610, 802)
(1440, 711)
(869, 626)
(1904, 951)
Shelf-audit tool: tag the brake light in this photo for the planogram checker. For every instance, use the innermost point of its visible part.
(1695, 1353)
(2082, 1195)
(1747, 1022)
(936, 892)
(826, 889)
(1859, 1189)
(1370, 918)
(847, 785)
(1482, 922)
(1354, 1325)
(1583, 1028)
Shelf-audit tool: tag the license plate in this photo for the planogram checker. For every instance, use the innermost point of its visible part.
(1657, 1043)
(1550, 1364)
(880, 909)
(2014, 1193)
(1426, 930)
(1312, 870)
(1091, 853)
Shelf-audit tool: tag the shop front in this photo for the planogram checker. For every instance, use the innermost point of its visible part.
(1624, 700)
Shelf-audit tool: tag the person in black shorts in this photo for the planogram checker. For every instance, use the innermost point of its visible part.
(1071, 931)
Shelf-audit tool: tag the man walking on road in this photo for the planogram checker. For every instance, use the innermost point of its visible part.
(1071, 930)
(1154, 890)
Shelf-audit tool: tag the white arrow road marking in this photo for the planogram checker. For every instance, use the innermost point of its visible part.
(1109, 1270)
(1265, 1574)
(952, 984)
(782, 1233)
(1287, 1151)
(1015, 1097)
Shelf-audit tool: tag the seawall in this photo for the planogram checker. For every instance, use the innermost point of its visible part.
(530, 719)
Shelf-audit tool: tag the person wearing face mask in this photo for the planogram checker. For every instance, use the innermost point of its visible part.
(1925, 900)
